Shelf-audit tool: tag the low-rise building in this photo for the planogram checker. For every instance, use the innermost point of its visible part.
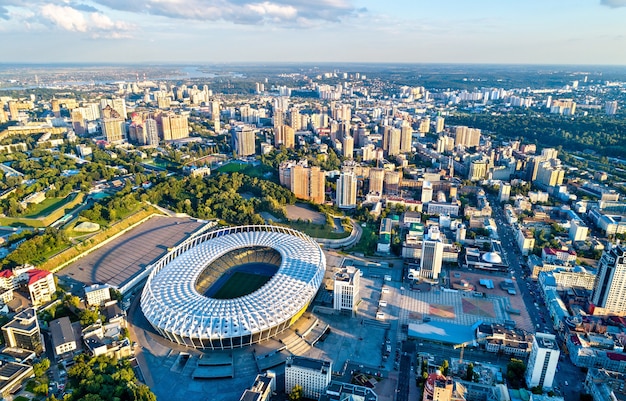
(12, 375)
(525, 240)
(96, 295)
(40, 286)
(63, 339)
(23, 331)
(313, 375)
(338, 391)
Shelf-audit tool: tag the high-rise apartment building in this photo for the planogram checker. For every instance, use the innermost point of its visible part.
(114, 129)
(346, 190)
(610, 108)
(346, 294)
(348, 147)
(542, 362)
(312, 374)
(609, 292)
(305, 182)
(376, 179)
(173, 126)
(468, 137)
(406, 139)
(505, 192)
(439, 124)
(391, 140)
(117, 104)
(284, 135)
(243, 141)
(151, 132)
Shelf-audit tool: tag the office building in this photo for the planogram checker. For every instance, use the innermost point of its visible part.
(312, 374)
(432, 254)
(346, 289)
(114, 129)
(542, 362)
(609, 293)
(243, 141)
(23, 331)
(12, 377)
(346, 190)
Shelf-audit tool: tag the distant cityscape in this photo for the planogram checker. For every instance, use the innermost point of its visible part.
(317, 232)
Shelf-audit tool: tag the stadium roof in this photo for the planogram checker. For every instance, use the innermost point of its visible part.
(172, 304)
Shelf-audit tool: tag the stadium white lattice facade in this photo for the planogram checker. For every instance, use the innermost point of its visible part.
(174, 303)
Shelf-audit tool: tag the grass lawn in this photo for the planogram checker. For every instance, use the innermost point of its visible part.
(368, 241)
(20, 398)
(318, 230)
(240, 284)
(47, 206)
(232, 168)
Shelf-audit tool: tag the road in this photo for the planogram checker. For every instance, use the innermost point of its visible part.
(566, 371)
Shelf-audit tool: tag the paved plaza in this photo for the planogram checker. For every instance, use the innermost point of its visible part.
(124, 257)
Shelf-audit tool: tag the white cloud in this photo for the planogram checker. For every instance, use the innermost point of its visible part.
(64, 17)
(613, 3)
(239, 11)
(74, 20)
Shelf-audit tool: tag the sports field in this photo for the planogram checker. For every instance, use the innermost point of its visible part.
(240, 284)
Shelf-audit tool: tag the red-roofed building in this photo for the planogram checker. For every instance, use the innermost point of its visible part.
(41, 286)
(552, 255)
(441, 388)
(7, 279)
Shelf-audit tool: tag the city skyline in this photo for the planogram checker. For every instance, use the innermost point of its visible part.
(224, 31)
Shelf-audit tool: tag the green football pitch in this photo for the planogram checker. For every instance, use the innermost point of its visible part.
(240, 284)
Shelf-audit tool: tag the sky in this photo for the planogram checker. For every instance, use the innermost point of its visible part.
(584, 32)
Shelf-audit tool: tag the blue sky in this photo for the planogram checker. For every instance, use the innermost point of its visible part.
(223, 31)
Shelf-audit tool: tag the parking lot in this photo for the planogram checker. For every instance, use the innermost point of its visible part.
(124, 257)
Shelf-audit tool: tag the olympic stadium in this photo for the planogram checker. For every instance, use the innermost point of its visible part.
(233, 287)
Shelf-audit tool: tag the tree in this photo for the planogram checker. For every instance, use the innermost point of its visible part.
(515, 370)
(296, 393)
(445, 367)
(89, 316)
(470, 372)
(41, 367)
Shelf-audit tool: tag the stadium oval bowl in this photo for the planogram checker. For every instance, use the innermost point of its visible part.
(176, 309)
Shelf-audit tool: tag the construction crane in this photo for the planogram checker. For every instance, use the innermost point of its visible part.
(462, 346)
